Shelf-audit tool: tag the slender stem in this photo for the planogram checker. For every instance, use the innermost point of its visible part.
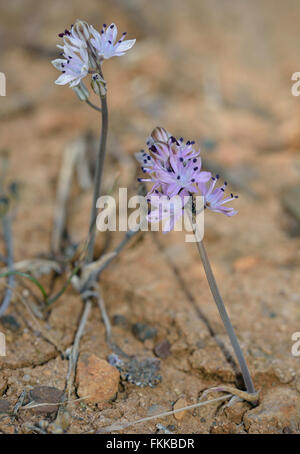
(98, 178)
(130, 234)
(223, 313)
(75, 348)
(6, 223)
(96, 273)
(93, 106)
(116, 427)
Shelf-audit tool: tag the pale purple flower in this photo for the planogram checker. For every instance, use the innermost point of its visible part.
(172, 166)
(74, 65)
(214, 197)
(166, 210)
(84, 49)
(105, 43)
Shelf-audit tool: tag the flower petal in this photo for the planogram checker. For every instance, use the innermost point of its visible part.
(125, 45)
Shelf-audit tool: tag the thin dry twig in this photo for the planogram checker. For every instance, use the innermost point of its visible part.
(7, 234)
(73, 357)
(35, 266)
(101, 304)
(75, 348)
(70, 157)
(19, 403)
(243, 395)
(116, 427)
(45, 335)
(33, 404)
(103, 263)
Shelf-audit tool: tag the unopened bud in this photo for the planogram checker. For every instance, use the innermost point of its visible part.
(82, 29)
(81, 91)
(98, 84)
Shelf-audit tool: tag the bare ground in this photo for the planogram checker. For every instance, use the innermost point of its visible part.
(219, 75)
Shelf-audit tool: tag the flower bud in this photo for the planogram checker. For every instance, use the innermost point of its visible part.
(81, 91)
(82, 29)
(98, 84)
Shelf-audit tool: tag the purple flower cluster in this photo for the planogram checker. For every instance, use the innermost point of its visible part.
(174, 168)
(84, 49)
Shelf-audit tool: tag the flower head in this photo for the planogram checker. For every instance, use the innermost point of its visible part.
(172, 165)
(74, 65)
(214, 197)
(84, 49)
(105, 43)
(165, 209)
(174, 168)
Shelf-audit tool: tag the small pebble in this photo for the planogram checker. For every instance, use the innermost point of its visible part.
(162, 349)
(45, 394)
(4, 406)
(119, 320)
(179, 404)
(143, 332)
(97, 380)
(10, 322)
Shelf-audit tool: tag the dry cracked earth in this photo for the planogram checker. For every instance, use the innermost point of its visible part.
(216, 72)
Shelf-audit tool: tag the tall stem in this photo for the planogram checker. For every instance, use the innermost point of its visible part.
(98, 178)
(7, 234)
(223, 313)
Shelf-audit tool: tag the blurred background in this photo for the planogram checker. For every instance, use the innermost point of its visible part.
(211, 71)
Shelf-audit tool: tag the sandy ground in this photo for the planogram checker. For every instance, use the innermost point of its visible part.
(216, 72)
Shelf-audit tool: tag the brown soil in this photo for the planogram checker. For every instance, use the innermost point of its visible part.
(216, 72)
